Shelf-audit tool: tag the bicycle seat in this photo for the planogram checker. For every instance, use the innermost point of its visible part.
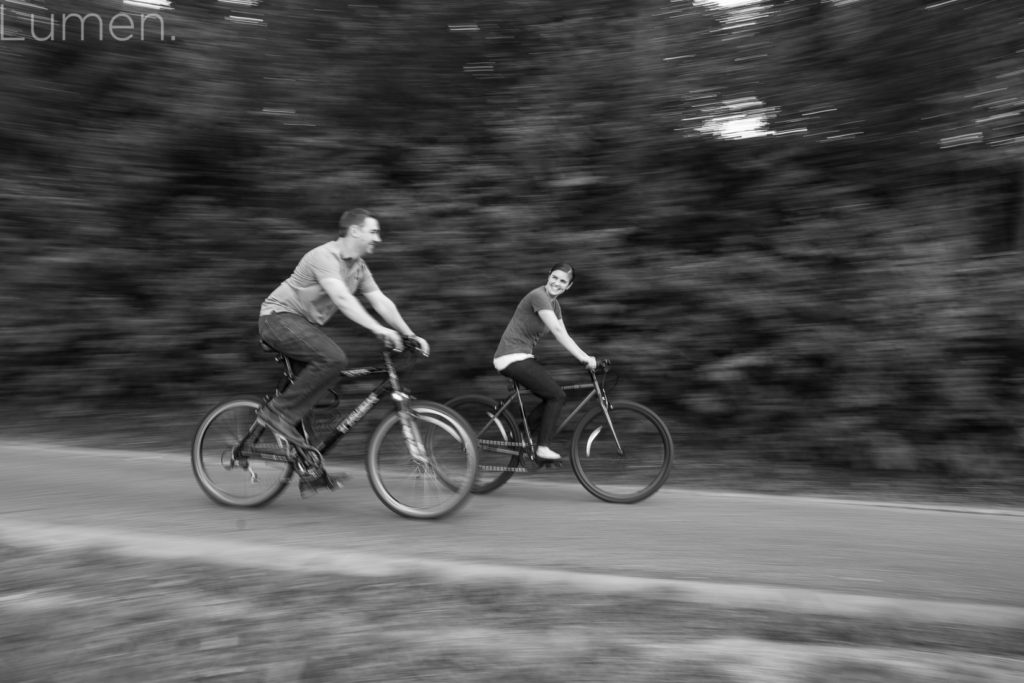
(279, 357)
(511, 385)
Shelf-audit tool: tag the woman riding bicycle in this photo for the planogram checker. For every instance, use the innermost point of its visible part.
(537, 313)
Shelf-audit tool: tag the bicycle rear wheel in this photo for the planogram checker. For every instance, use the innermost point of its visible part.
(424, 468)
(628, 474)
(495, 436)
(232, 475)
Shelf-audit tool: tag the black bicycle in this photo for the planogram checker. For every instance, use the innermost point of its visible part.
(621, 452)
(421, 459)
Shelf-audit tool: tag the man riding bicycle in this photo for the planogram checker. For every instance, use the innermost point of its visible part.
(291, 320)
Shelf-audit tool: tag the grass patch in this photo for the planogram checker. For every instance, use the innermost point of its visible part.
(90, 616)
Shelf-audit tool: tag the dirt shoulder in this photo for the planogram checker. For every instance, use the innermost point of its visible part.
(88, 614)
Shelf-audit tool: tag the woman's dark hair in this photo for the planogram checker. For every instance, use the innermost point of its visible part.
(564, 267)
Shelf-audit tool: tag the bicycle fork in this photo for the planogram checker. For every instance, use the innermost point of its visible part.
(410, 430)
(606, 409)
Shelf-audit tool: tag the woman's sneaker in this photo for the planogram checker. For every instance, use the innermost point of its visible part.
(545, 453)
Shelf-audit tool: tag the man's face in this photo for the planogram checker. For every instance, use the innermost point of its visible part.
(367, 235)
(558, 282)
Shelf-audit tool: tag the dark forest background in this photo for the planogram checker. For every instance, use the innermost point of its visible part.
(796, 222)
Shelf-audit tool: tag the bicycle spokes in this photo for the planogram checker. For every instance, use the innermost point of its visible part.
(622, 455)
(422, 460)
(234, 463)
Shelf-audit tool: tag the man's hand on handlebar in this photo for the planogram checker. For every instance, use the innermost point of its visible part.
(590, 363)
(398, 343)
(419, 344)
(391, 339)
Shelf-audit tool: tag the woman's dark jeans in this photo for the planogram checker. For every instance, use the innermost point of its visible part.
(532, 375)
(301, 340)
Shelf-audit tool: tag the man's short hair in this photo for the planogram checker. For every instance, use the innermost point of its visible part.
(352, 217)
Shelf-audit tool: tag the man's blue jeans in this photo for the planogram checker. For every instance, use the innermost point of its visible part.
(301, 340)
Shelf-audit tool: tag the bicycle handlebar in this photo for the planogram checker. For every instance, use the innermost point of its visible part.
(410, 344)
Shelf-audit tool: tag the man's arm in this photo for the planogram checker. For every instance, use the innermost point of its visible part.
(350, 307)
(387, 310)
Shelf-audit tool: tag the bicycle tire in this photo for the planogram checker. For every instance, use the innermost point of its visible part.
(223, 476)
(636, 473)
(433, 483)
(497, 464)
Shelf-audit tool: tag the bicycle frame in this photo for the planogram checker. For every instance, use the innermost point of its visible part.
(389, 384)
(515, 396)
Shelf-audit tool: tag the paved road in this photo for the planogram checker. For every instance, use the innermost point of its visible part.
(535, 522)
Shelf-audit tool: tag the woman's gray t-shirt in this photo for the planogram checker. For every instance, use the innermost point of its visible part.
(526, 328)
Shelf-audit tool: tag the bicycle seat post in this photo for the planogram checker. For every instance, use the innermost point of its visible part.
(529, 444)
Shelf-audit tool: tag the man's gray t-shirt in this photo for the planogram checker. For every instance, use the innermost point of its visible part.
(303, 293)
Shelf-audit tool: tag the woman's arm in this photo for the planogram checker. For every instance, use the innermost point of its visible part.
(558, 330)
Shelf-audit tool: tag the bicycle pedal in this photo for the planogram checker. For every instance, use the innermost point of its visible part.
(530, 464)
(307, 490)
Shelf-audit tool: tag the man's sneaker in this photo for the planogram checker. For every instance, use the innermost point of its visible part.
(310, 485)
(273, 420)
(545, 453)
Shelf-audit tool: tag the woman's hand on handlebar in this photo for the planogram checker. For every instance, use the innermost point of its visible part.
(594, 363)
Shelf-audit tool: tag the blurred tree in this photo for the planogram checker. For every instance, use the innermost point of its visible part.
(791, 219)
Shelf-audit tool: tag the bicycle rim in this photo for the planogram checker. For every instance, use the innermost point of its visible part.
(494, 435)
(230, 480)
(638, 470)
(428, 480)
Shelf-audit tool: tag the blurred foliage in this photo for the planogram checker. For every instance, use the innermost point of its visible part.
(795, 221)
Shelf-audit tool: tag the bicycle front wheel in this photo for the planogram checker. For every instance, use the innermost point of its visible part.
(496, 440)
(625, 460)
(422, 463)
(229, 472)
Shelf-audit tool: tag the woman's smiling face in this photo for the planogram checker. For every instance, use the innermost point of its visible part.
(558, 282)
